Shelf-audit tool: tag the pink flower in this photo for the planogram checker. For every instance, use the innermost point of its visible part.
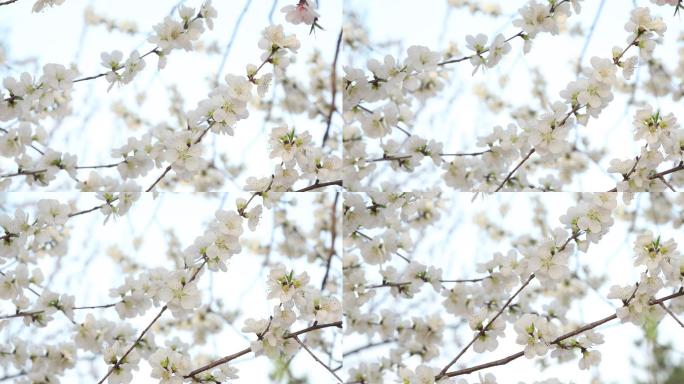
(300, 13)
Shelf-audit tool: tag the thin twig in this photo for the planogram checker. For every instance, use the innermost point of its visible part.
(333, 235)
(317, 359)
(672, 314)
(333, 88)
(318, 185)
(510, 174)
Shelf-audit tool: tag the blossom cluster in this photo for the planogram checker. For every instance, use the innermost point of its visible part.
(383, 102)
(172, 288)
(177, 149)
(379, 239)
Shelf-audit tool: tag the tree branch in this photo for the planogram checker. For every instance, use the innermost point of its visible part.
(245, 351)
(584, 328)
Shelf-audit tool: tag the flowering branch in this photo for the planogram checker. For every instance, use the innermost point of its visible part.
(118, 361)
(245, 351)
(568, 335)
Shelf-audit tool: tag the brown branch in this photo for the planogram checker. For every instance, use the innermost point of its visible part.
(100, 166)
(245, 351)
(444, 370)
(672, 314)
(391, 284)
(667, 172)
(560, 124)
(218, 362)
(93, 208)
(142, 334)
(318, 185)
(333, 87)
(584, 328)
(32, 313)
(38, 171)
(314, 327)
(466, 280)
(660, 175)
(485, 328)
(20, 373)
(451, 61)
(135, 343)
(367, 346)
(466, 154)
(552, 9)
(510, 174)
(333, 235)
(155, 50)
(386, 157)
(158, 179)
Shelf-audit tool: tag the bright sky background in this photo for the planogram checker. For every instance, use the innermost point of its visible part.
(87, 272)
(457, 117)
(457, 244)
(58, 35)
